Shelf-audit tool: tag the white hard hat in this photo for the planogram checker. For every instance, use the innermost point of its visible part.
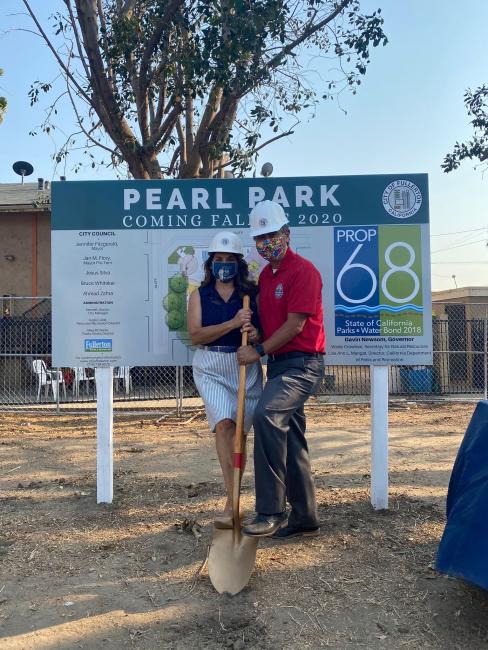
(226, 242)
(265, 217)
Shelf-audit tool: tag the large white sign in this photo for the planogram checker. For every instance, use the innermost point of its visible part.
(127, 254)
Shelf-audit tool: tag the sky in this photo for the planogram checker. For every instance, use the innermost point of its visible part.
(406, 116)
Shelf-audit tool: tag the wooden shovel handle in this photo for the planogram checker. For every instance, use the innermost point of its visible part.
(239, 437)
(241, 393)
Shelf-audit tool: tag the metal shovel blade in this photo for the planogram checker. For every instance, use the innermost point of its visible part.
(231, 560)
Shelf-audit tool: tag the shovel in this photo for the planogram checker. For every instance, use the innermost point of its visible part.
(232, 555)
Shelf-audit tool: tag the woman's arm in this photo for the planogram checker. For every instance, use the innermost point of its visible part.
(204, 335)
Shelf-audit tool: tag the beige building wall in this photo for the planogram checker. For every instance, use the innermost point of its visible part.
(16, 240)
(43, 254)
(25, 236)
(475, 299)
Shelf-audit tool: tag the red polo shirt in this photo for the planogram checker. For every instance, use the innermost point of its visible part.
(296, 287)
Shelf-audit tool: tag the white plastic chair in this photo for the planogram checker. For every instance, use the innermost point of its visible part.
(122, 373)
(79, 375)
(48, 378)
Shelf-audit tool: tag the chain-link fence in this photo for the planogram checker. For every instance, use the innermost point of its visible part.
(27, 379)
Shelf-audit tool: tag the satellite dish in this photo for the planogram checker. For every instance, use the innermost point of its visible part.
(267, 169)
(22, 168)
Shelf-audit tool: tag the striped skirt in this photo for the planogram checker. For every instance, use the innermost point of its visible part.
(216, 376)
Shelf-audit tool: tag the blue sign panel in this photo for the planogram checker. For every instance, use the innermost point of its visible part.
(356, 290)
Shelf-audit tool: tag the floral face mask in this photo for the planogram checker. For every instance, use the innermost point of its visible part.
(272, 249)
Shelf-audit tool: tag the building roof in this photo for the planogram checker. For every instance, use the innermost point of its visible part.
(460, 293)
(15, 197)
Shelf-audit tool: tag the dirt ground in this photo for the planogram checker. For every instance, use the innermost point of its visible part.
(74, 574)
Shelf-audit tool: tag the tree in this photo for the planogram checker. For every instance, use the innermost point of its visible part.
(477, 148)
(183, 88)
(3, 103)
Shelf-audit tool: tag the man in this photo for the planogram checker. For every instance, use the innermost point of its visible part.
(291, 315)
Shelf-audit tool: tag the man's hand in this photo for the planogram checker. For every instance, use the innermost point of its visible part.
(246, 354)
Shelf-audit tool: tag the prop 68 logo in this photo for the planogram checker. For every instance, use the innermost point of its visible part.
(377, 281)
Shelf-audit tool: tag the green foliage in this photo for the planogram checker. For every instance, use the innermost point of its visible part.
(187, 84)
(477, 148)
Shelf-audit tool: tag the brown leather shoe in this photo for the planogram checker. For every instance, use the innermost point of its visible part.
(290, 531)
(264, 525)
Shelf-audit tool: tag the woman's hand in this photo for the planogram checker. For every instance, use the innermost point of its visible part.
(243, 317)
(253, 332)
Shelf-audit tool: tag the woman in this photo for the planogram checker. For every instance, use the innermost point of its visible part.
(215, 319)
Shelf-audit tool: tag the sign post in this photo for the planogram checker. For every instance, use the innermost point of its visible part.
(105, 421)
(379, 437)
(127, 255)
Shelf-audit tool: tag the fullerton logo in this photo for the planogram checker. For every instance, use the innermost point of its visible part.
(402, 199)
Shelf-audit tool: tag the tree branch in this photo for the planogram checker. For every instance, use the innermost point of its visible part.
(77, 39)
(189, 115)
(158, 118)
(107, 107)
(87, 16)
(80, 124)
(220, 127)
(182, 140)
(174, 159)
(56, 55)
(211, 110)
(261, 146)
(166, 128)
(103, 23)
(307, 32)
(169, 12)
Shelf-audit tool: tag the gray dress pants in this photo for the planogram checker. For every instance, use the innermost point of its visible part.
(281, 459)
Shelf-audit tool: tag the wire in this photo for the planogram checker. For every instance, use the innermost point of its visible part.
(450, 248)
(458, 232)
(467, 239)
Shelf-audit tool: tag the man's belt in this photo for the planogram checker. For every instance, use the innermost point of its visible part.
(295, 354)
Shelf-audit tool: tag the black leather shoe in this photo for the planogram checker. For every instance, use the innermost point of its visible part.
(264, 525)
(290, 531)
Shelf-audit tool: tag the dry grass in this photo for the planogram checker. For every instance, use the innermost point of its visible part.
(77, 575)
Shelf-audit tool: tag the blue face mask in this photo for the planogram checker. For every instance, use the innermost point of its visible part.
(224, 271)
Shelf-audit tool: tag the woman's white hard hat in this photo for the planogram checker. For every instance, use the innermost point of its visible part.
(226, 242)
(265, 217)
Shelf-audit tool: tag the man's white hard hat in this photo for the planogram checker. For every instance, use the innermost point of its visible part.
(265, 217)
(226, 242)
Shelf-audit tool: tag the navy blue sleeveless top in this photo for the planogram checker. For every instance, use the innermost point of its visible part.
(215, 311)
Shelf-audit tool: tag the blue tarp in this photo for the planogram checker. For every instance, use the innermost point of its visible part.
(463, 551)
